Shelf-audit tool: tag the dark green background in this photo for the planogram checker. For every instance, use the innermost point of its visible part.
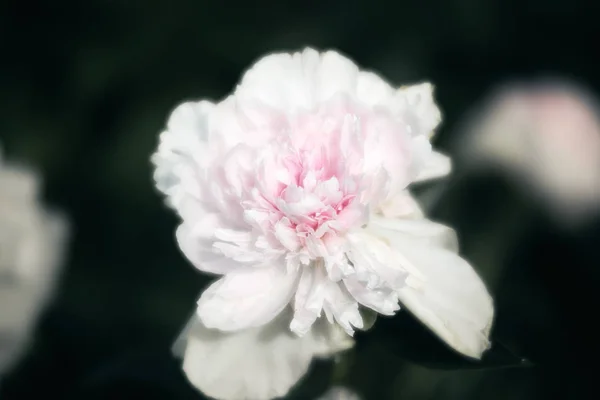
(86, 86)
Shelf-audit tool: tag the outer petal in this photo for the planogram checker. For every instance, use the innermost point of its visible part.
(426, 115)
(442, 290)
(247, 298)
(403, 205)
(279, 80)
(299, 80)
(180, 146)
(198, 250)
(372, 90)
(258, 363)
(421, 229)
(436, 166)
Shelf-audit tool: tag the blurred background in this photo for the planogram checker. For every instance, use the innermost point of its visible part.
(87, 86)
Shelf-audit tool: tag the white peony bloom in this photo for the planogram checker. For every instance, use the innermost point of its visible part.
(31, 245)
(547, 136)
(294, 190)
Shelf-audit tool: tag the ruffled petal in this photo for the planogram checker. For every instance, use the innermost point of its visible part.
(308, 302)
(424, 113)
(383, 300)
(376, 263)
(298, 81)
(181, 145)
(342, 307)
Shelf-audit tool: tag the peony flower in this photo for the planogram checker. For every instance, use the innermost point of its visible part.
(294, 190)
(547, 136)
(31, 244)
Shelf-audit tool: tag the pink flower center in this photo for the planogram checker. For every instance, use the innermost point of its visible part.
(304, 196)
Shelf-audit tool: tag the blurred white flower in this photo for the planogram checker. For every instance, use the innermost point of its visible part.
(294, 189)
(547, 136)
(31, 245)
(339, 393)
(257, 363)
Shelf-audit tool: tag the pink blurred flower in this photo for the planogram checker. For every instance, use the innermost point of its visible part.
(548, 136)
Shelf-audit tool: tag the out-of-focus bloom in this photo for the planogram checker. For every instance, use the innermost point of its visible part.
(256, 363)
(294, 189)
(31, 245)
(339, 393)
(547, 135)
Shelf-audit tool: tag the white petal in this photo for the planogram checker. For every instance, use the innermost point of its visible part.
(191, 119)
(447, 295)
(197, 247)
(181, 144)
(309, 298)
(258, 363)
(402, 205)
(298, 81)
(384, 300)
(343, 307)
(373, 90)
(375, 262)
(421, 154)
(428, 232)
(280, 80)
(247, 298)
(421, 101)
(337, 74)
(437, 165)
